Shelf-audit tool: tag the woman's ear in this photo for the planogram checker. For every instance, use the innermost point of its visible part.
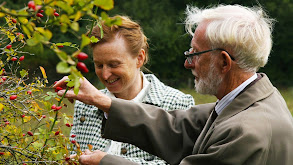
(226, 62)
(140, 58)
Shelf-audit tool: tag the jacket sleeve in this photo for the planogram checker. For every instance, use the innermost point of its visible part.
(168, 135)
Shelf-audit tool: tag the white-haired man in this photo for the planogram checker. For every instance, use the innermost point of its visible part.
(249, 124)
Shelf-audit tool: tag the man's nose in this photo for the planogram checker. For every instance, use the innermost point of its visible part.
(187, 65)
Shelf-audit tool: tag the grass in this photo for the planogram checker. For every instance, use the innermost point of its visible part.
(201, 99)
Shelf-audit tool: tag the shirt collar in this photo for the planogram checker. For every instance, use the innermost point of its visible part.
(227, 99)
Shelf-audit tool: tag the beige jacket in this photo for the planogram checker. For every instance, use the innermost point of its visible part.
(255, 129)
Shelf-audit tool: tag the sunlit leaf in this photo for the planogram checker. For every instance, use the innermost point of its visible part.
(85, 40)
(43, 72)
(94, 39)
(74, 26)
(62, 67)
(23, 73)
(2, 14)
(1, 107)
(105, 4)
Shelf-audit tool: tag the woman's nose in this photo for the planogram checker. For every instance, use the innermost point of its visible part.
(106, 73)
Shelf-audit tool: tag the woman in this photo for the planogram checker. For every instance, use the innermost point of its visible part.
(118, 57)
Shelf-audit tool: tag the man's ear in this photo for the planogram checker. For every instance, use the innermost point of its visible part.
(140, 58)
(226, 62)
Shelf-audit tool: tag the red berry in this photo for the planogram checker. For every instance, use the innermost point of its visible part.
(67, 124)
(39, 15)
(73, 141)
(4, 78)
(60, 46)
(13, 20)
(13, 97)
(2, 153)
(82, 56)
(82, 67)
(29, 92)
(53, 106)
(43, 116)
(41, 11)
(67, 158)
(56, 14)
(58, 108)
(13, 59)
(58, 89)
(57, 133)
(73, 136)
(8, 46)
(23, 116)
(30, 133)
(23, 134)
(7, 122)
(21, 58)
(71, 125)
(31, 5)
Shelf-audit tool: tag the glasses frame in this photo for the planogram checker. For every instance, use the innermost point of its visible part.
(189, 56)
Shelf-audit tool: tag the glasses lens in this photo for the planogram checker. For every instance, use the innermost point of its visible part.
(189, 60)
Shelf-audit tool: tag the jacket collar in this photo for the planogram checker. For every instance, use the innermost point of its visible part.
(258, 91)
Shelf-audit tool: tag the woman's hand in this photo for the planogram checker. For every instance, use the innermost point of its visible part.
(87, 94)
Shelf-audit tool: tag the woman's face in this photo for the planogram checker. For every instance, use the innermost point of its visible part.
(116, 67)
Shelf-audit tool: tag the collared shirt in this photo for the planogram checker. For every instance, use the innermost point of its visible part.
(114, 147)
(226, 100)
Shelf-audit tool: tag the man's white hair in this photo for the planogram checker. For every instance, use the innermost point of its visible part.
(246, 32)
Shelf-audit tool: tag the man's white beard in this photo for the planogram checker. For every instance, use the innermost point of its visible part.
(210, 84)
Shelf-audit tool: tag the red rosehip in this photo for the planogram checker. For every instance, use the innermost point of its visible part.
(82, 67)
(13, 20)
(41, 11)
(7, 123)
(21, 58)
(2, 153)
(29, 92)
(23, 134)
(67, 159)
(58, 89)
(71, 125)
(4, 78)
(58, 108)
(39, 15)
(31, 5)
(56, 14)
(67, 124)
(22, 116)
(13, 59)
(8, 46)
(13, 97)
(73, 141)
(57, 133)
(30, 133)
(73, 136)
(43, 116)
(60, 46)
(82, 56)
(53, 106)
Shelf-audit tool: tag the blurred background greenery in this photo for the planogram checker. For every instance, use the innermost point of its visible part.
(162, 22)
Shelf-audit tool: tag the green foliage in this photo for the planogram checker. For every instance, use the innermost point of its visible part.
(26, 135)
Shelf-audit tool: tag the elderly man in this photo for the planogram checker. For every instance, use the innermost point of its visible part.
(249, 124)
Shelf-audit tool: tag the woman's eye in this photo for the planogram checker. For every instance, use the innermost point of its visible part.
(113, 65)
(99, 66)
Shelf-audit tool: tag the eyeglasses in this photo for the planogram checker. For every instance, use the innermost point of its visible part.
(189, 55)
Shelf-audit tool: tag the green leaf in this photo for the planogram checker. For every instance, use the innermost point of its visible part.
(32, 41)
(23, 73)
(85, 40)
(62, 55)
(94, 39)
(74, 26)
(105, 4)
(70, 84)
(62, 67)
